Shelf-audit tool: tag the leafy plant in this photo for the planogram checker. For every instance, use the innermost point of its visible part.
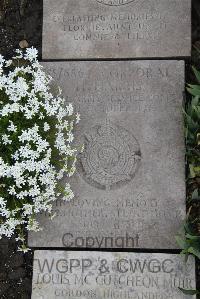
(190, 292)
(189, 239)
(192, 134)
(36, 134)
(190, 244)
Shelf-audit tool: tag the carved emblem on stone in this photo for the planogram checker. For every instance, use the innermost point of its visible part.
(114, 2)
(111, 156)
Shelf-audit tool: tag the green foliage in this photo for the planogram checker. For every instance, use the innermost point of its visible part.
(36, 150)
(189, 239)
(190, 292)
(190, 243)
(192, 134)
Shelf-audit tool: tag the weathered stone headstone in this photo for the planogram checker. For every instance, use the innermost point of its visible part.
(83, 29)
(130, 181)
(103, 275)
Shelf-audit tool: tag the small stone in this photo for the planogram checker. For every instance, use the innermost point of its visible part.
(23, 44)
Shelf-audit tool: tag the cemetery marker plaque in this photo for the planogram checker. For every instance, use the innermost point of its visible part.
(130, 181)
(106, 275)
(84, 29)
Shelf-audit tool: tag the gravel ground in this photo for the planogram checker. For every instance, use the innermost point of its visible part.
(21, 24)
(15, 271)
(20, 20)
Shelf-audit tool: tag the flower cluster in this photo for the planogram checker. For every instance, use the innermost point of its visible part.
(36, 151)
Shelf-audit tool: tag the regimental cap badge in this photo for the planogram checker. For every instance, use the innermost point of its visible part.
(111, 156)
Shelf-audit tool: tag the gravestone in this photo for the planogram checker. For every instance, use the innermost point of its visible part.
(106, 275)
(130, 181)
(84, 29)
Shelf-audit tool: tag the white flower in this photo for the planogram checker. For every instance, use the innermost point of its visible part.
(72, 171)
(39, 83)
(41, 116)
(31, 172)
(12, 190)
(12, 127)
(2, 202)
(8, 63)
(61, 143)
(19, 54)
(46, 127)
(60, 174)
(69, 195)
(28, 209)
(70, 137)
(23, 249)
(9, 109)
(20, 238)
(70, 109)
(33, 225)
(6, 140)
(31, 54)
(2, 60)
(53, 216)
(78, 118)
(21, 87)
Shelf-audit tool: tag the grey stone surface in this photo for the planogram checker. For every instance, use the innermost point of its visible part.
(82, 29)
(107, 275)
(130, 181)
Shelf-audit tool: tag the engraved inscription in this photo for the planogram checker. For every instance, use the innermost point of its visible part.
(106, 275)
(93, 29)
(115, 2)
(131, 126)
(120, 26)
(111, 156)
